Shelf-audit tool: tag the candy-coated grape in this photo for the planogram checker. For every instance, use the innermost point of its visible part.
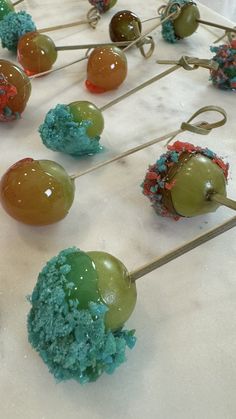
(36, 53)
(183, 180)
(115, 287)
(83, 279)
(87, 111)
(6, 7)
(106, 69)
(125, 26)
(15, 89)
(195, 180)
(37, 192)
(186, 24)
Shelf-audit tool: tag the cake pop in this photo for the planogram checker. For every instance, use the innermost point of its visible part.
(187, 181)
(187, 21)
(15, 89)
(40, 192)
(80, 304)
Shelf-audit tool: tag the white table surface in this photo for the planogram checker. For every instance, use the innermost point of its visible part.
(184, 363)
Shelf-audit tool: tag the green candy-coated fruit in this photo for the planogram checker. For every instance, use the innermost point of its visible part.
(125, 26)
(195, 180)
(83, 279)
(115, 287)
(6, 7)
(87, 111)
(37, 192)
(186, 24)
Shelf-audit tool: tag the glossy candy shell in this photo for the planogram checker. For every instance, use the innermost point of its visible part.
(17, 78)
(36, 53)
(36, 192)
(115, 288)
(194, 181)
(107, 68)
(125, 26)
(186, 24)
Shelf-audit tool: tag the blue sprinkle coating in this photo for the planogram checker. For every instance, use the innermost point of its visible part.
(73, 343)
(13, 26)
(60, 132)
(168, 31)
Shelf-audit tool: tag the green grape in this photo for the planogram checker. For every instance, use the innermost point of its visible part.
(195, 180)
(115, 287)
(83, 110)
(186, 24)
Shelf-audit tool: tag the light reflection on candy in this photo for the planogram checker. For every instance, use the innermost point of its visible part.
(15, 90)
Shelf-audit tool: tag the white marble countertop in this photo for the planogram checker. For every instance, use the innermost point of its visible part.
(184, 363)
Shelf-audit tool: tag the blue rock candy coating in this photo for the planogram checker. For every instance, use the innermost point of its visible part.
(168, 31)
(73, 343)
(13, 26)
(60, 132)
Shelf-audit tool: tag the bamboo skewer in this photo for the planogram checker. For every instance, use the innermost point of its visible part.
(216, 25)
(17, 2)
(199, 128)
(179, 251)
(223, 200)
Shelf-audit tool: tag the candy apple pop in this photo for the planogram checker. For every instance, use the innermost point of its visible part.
(187, 181)
(80, 304)
(15, 89)
(86, 120)
(186, 23)
(40, 192)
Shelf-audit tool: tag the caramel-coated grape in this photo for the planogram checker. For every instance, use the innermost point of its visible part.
(106, 69)
(36, 53)
(36, 192)
(15, 89)
(125, 26)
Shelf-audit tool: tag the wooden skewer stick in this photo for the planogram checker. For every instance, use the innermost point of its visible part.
(17, 2)
(216, 25)
(179, 251)
(92, 19)
(64, 26)
(198, 127)
(35, 76)
(223, 200)
(90, 46)
(188, 63)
